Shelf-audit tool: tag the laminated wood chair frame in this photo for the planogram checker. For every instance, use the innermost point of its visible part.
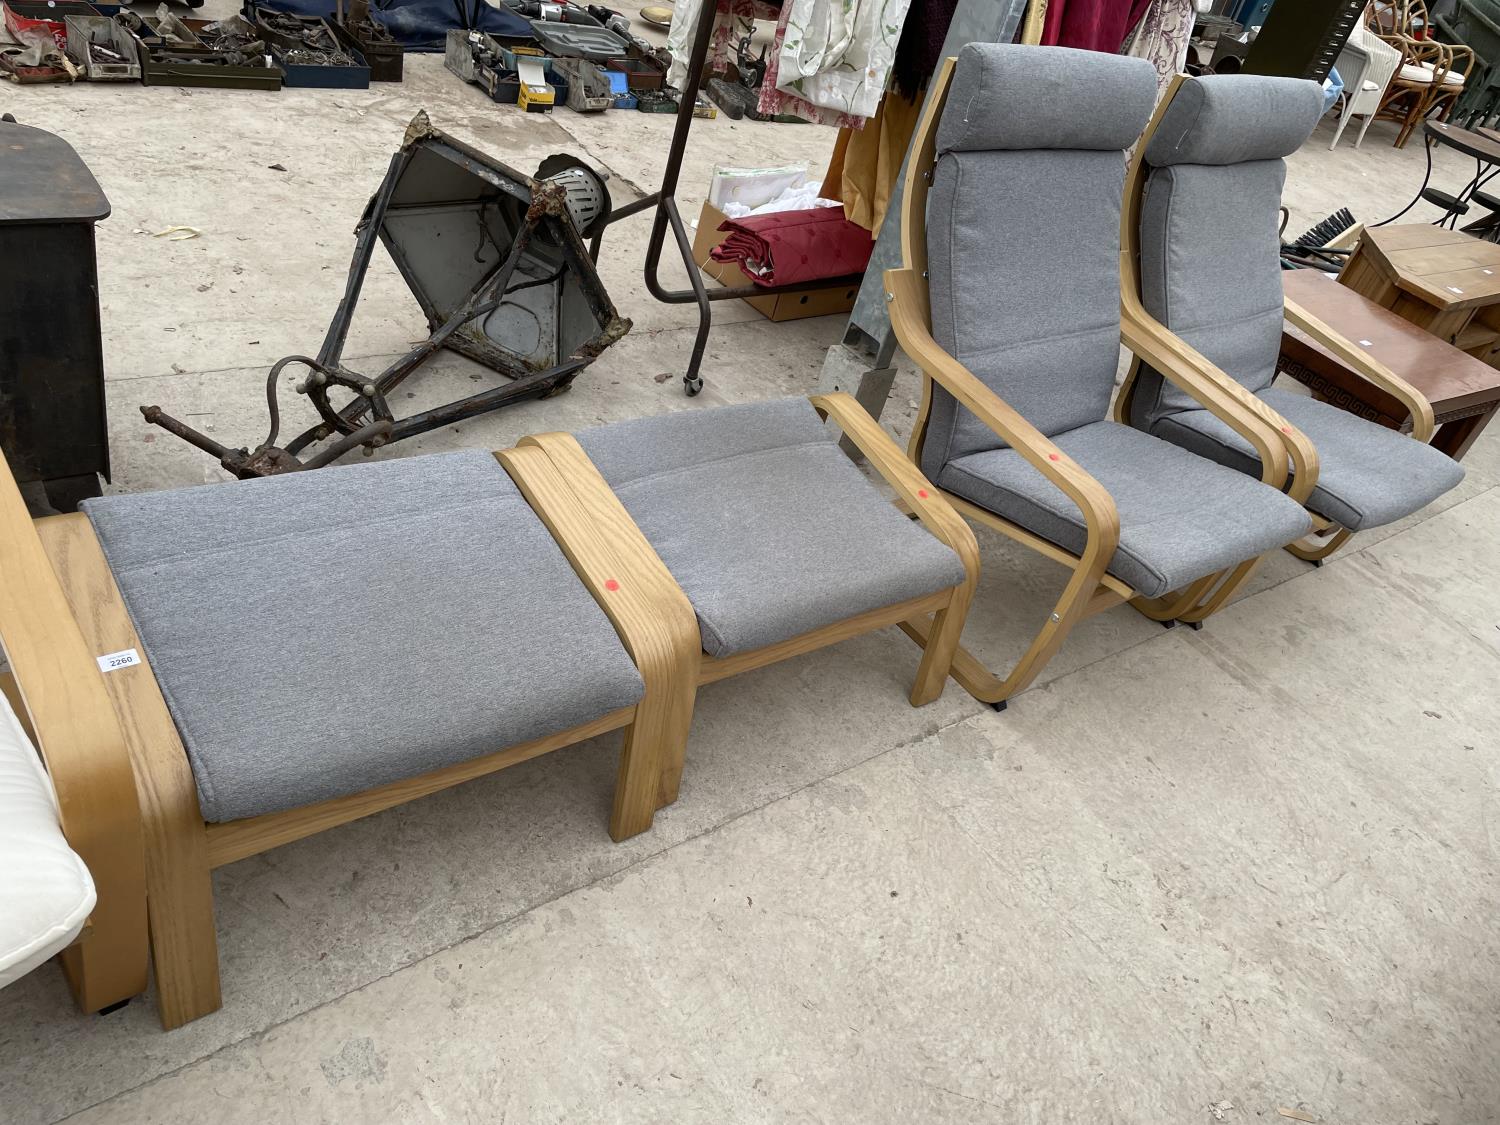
(1328, 536)
(945, 609)
(130, 804)
(1090, 590)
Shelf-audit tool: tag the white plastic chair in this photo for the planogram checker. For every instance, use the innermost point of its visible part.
(1366, 65)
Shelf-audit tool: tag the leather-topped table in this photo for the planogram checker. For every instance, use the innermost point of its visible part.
(1464, 391)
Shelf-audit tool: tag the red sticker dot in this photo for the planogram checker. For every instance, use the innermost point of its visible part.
(611, 584)
(1286, 429)
(1054, 457)
(922, 493)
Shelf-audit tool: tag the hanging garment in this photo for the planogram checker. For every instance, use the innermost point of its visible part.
(794, 247)
(773, 99)
(921, 46)
(838, 53)
(728, 16)
(872, 160)
(1161, 38)
(1093, 25)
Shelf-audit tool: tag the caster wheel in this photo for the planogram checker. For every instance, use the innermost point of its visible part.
(692, 386)
(1001, 705)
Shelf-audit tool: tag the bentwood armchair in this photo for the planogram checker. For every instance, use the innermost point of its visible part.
(1009, 302)
(1202, 209)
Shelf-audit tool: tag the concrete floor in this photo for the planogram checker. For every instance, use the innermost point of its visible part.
(1189, 877)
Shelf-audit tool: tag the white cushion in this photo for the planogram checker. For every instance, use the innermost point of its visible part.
(45, 889)
(1423, 72)
(1368, 86)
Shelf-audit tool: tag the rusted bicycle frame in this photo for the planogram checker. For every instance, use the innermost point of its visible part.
(526, 302)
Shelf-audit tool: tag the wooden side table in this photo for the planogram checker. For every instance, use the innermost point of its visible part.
(1444, 281)
(1464, 391)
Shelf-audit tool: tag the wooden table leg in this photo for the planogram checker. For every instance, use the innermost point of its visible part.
(1454, 438)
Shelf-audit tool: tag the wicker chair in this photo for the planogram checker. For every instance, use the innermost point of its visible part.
(1432, 76)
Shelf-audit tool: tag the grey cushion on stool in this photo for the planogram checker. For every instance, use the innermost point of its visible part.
(767, 527)
(322, 633)
(1181, 516)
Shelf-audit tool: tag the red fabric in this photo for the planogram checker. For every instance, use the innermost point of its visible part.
(791, 247)
(1092, 25)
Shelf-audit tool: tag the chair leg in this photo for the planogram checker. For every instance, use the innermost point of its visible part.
(983, 685)
(1343, 120)
(1363, 129)
(942, 645)
(651, 759)
(1169, 607)
(180, 906)
(1211, 605)
(1315, 548)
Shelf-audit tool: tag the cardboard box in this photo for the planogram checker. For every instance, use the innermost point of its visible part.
(794, 304)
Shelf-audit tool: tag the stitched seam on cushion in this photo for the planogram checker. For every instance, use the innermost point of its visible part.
(1279, 309)
(699, 466)
(1044, 507)
(990, 353)
(273, 539)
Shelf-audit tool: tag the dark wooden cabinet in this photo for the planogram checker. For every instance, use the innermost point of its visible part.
(53, 427)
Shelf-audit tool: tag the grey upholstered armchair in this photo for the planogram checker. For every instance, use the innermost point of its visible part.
(1009, 302)
(1204, 196)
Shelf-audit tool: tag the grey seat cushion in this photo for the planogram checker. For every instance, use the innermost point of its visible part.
(322, 633)
(1181, 517)
(1023, 234)
(768, 528)
(1367, 476)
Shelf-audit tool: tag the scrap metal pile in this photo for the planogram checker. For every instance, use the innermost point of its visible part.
(496, 260)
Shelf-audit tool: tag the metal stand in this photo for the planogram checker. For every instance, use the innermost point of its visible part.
(861, 363)
(664, 200)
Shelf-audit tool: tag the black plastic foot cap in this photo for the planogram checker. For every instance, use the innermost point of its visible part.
(1001, 705)
(1195, 625)
(1169, 624)
(115, 1007)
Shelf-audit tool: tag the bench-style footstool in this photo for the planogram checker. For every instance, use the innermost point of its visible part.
(292, 653)
(776, 541)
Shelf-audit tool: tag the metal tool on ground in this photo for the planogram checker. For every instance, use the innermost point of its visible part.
(497, 261)
(588, 85)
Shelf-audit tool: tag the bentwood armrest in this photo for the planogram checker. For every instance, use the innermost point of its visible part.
(80, 739)
(655, 622)
(907, 303)
(1273, 437)
(892, 464)
(1367, 367)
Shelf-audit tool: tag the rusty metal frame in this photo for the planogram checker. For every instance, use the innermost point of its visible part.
(367, 419)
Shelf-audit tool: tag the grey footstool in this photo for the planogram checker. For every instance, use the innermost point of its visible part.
(778, 543)
(295, 652)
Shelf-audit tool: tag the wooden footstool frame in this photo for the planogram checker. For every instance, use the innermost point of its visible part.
(129, 800)
(935, 620)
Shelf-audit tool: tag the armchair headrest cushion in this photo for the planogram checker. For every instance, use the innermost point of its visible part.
(1234, 118)
(1009, 96)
